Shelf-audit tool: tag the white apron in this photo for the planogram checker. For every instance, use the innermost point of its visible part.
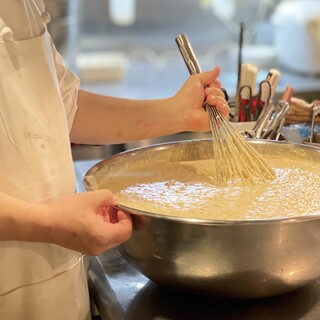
(37, 280)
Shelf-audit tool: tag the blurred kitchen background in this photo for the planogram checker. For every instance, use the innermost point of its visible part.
(127, 47)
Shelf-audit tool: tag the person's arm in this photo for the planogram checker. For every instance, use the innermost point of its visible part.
(21, 220)
(85, 222)
(103, 119)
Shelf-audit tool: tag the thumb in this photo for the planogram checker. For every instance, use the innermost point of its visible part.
(206, 78)
(104, 197)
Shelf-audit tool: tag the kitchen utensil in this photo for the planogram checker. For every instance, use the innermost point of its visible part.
(234, 158)
(236, 114)
(237, 258)
(251, 103)
(246, 103)
(278, 131)
(315, 113)
(188, 54)
(280, 110)
(273, 77)
(190, 59)
(263, 120)
(287, 95)
(247, 91)
(272, 118)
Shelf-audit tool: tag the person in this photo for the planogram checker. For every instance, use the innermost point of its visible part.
(46, 228)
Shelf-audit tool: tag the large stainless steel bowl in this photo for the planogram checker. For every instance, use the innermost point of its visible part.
(247, 258)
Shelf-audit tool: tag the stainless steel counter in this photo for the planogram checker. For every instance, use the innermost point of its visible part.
(121, 292)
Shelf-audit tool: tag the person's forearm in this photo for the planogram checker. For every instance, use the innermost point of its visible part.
(20, 220)
(100, 119)
(86, 222)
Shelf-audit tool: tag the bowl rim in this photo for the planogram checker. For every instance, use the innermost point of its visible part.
(89, 186)
(218, 222)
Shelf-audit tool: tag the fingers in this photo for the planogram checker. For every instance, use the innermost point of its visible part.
(124, 216)
(216, 83)
(116, 215)
(104, 198)
(216, 97)
(112, 215)
(214, 91)
(116, 230)
(107, 202)
(121, 230)
(220, 103)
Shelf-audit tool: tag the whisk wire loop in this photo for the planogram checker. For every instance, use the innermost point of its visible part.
(234, 157)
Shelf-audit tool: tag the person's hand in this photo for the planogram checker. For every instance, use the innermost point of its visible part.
(88, 222)
(190, 98)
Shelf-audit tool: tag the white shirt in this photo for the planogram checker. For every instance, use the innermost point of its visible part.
(37, 106)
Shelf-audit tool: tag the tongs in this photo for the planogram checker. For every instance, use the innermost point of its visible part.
(315, 113)
(272, 117)
(279, 111)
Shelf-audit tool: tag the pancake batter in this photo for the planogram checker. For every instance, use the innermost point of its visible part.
(187, 189)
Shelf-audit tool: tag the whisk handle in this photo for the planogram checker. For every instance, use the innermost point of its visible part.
(189, 57)
(188, 54)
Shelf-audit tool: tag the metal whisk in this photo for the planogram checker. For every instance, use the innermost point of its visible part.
(235, 158)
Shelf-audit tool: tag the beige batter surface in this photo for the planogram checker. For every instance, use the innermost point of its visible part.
(187, 189)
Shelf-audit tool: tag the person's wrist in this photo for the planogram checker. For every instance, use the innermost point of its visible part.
(37, 225)
(177, 114)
